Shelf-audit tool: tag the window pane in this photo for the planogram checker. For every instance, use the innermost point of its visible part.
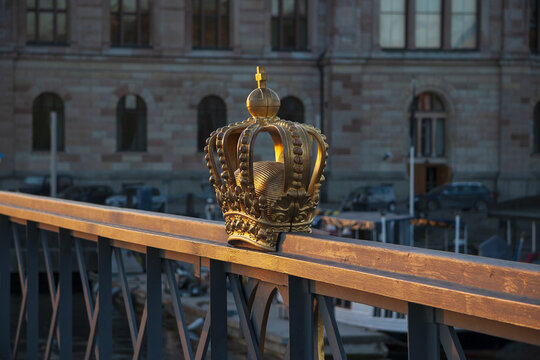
(302, 7)
(392, 30)
(288, 7)
(61, 4)
(45, 4)
(114, 5)
(275, 33)
(426, 137)
(46, 27)
(130, 29)
(145, 29)
(210, 7)
(115, 29)
(224, 31)
(275, 7)
(302, 44)
(30, 4)
(61, 27)
(289, 34)
(224, 7)
(428, 31)
(196, 40)
(210, 31)
(143, 5)
(439, 138)
(128, 5)
(392, 24)
(30, 26)
(464, 31)
(195, 6)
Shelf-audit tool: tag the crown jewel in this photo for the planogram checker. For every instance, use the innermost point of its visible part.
(260, 199)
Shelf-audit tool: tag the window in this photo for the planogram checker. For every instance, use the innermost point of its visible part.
(131, 124)
(289, 24)
(536, 129)
(392, 24)
(292, 109)
(534, 19)
(428, 24)
(43, 105)
(130, 23)
(211, 115)
(46, 22)
(210, 24)
(429, 126)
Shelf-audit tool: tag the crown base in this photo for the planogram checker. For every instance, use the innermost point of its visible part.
(246, 242)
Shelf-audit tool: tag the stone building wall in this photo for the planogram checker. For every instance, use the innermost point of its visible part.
(489, 94)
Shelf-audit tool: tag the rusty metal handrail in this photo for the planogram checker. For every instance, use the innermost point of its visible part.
(491, 296)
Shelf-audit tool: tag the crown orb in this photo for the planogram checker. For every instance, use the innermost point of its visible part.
(263, 102)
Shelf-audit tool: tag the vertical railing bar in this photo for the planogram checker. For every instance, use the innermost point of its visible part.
(50, 280)
(18, 254)
(330, 324)
(218, 309)
(142, 329)
(154, 333)
(202, 346)
(105, 298)
(22, 312)
(127, 296)
(450, 342)
(91, 344)
(84, 279)
(91, 309)
(32, 330)
(65, 294)
(178, 312)
(5, 287)
(52, 328)
(300, 319)
(422, 337)
(243, 315)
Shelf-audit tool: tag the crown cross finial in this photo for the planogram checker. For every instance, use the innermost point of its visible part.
(261, 77)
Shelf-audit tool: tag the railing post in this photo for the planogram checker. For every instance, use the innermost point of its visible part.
(32, 270)
(300, 319)
(218, 311)
(423, 335)
(105, 298)
(65, 305)
(5, 287)
(154, 336)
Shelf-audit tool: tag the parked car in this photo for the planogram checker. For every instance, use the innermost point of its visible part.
(460, 195)
(41, 184)
(130, 197)
(95, 194)
(370, 198)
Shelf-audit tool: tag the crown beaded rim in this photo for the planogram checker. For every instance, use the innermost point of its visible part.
(260, 199)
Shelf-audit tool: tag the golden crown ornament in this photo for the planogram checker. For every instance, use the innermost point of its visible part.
(260, 199)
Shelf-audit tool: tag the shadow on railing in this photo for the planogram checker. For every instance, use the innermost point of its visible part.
(438, 291)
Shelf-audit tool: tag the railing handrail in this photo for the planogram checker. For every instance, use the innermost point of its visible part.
(493, 296)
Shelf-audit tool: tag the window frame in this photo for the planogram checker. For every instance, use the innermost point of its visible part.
(121, 113)
(201, 15)
(60, 125)
(297, 17)
(55, 12)
(120, 43)
(431, 116)
(445, 29)
(536, 48)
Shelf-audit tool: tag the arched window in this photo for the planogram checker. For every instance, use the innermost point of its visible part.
(131, 123)
(211, 115)
(291, 108)
(429, 126)
(43, 105)
(210, 24)
(536, 129)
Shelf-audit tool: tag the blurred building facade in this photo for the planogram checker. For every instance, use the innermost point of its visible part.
(139, 84)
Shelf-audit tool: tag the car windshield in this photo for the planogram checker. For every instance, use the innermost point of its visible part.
(33, 180)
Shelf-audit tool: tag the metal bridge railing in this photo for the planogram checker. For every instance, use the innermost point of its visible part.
(437, 290)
